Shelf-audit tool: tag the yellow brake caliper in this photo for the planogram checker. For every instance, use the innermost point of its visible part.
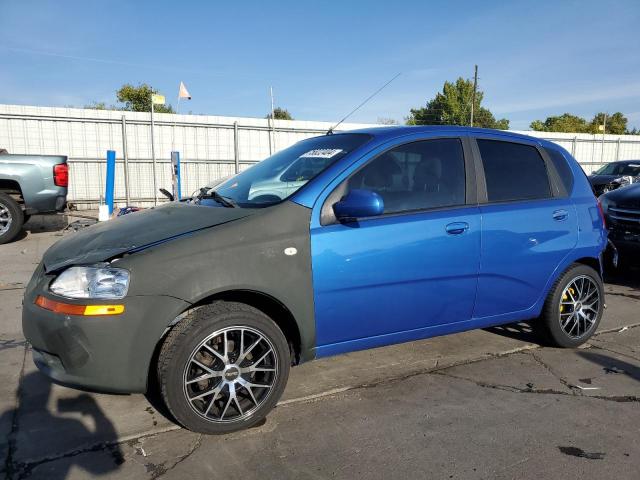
(565, 297)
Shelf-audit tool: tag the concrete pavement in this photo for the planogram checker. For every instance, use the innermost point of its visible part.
(482, 404)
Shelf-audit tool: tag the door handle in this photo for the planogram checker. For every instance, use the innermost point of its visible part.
(456, 228)
(560, 215)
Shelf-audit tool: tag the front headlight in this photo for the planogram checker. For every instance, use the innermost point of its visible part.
(92, 282)
(606, 203)
(622, 181)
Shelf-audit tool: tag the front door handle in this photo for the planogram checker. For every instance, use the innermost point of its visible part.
(560, 215)
(456, 228)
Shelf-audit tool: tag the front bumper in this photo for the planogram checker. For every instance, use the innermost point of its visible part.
(626, 242)
(108, 353)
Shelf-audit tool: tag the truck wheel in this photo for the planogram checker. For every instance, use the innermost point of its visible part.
(574, 307)
(223, 368)
(11, 218)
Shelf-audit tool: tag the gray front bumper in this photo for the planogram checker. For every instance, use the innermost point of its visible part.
(108, 353)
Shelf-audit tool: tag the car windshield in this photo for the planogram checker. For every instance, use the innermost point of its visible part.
(281, 175)
(632, 169)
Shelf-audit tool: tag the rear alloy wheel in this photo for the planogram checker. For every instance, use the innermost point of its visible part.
(11, 218)
(223, 368)
(574, 307)
(579, 307)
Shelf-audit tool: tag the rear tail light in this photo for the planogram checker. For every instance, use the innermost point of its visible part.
(61, 175)
(601, 211)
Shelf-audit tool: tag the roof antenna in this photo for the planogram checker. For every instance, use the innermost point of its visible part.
(330, 131)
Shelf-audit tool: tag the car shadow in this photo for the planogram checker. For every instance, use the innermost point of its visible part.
(522, 331)
(45, 223)
(54, 427)
(612, 365)
(626, 276)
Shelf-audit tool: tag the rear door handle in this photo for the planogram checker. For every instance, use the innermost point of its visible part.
(456, 228)
(560, 215)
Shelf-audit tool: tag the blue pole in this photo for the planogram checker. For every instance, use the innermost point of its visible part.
(111, 177)
(175, 163)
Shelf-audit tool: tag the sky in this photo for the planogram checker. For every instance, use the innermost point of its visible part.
(322, 58)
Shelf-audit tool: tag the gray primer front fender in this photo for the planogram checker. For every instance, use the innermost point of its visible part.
(247, 254)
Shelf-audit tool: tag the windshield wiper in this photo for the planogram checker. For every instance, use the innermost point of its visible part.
(206, 192)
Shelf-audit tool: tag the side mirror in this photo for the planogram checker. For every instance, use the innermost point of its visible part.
(357, 204)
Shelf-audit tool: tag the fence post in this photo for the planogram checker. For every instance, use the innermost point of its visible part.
(573, 146)
(618, 150)
(175, 175)
(236, 155)
(111, 177)
(126, 161)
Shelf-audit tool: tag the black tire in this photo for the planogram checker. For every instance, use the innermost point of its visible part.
(25, 218)
(11, 215)
(553, 317)
(184, 341)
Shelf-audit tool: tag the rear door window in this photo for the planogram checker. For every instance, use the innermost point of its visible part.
(513, 171)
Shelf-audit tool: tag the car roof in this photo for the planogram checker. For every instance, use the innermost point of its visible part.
(395, 131)
(626, 162)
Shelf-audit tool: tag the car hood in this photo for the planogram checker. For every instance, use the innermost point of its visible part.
(602, 179)
(137, 231)
(628, 196)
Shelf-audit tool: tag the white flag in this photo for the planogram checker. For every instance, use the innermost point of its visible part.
(184, 93)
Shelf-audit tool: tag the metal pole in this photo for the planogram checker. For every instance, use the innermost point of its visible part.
(573, 146)
(175, 175)
(236, 155)
(126, 160)
(173, 130)
(153, 158)
(618, 150)
(111, 177)
(604, 130)
(273, 119)
(475, 87)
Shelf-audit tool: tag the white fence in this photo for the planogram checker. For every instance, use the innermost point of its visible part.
(210, 146)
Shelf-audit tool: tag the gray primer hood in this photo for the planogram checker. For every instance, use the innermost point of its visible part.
(135, 231)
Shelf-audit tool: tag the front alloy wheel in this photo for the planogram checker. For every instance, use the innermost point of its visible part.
(230, 374)
(223, 367)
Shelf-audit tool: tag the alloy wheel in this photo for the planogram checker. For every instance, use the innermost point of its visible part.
(5, 219)
(579, 306)
(230, 374)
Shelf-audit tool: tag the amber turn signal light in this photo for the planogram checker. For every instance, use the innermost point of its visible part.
(86, 310)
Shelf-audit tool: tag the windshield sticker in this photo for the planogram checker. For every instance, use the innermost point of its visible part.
(322, 153)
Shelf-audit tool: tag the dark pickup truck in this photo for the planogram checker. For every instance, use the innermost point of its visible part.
(30, 184)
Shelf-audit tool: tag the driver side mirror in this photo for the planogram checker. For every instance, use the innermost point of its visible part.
(357, 204)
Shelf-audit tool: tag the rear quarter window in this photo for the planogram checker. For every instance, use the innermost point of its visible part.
(562, 167)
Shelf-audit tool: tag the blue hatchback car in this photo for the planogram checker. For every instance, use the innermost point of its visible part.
(341, 242)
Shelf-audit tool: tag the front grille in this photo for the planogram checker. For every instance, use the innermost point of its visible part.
(624, 218)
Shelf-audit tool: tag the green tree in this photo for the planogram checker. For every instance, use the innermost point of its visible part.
(280, 114)
(561, 123)
(452, 106)
(386, 121)
(138, 99)
(616, 124)
(98, 106)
